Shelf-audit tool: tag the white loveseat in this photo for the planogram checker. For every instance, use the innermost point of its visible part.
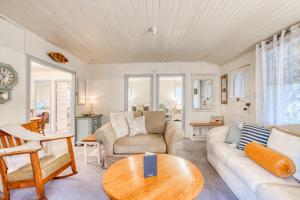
(245, 178)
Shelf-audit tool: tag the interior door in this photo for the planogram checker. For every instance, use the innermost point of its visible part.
(63, 105)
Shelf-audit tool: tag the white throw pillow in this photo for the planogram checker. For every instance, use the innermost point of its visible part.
(16, 162)
(140, 107)
(136, 125)
(119, 123)
(288, 145)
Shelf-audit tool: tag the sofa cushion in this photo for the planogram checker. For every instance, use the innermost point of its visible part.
(155, 121)
(140, 144)
(288, 145)
(224, 150)
(234, 134)
(252, 174)
(252, 133)
(136, 125)
(277, 192)
(119, 123)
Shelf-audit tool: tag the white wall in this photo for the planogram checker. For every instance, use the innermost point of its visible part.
(107, 85)
(15, 44)
(232, 107)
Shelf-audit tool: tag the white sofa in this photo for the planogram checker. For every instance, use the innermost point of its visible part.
(245, 178)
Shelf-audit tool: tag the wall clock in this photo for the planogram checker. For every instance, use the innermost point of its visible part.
(8, 79)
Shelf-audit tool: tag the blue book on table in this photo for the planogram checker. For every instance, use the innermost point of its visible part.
(150, 165)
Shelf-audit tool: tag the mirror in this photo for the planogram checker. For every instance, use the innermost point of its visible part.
(202, 94)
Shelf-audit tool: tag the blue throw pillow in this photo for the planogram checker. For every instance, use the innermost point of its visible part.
(234, 134)
(254, 133)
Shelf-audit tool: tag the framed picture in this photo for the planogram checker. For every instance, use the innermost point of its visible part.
(81, 92)
(224, 89)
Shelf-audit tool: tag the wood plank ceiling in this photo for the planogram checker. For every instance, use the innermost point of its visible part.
(114, 31)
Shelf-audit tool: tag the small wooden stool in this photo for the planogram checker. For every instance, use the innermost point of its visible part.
(97, 148)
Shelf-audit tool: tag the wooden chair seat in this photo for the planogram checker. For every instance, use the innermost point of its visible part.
(49, 165)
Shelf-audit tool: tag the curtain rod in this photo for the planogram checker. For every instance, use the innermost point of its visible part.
(277, 34)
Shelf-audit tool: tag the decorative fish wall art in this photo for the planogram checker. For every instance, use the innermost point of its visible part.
(58, 57)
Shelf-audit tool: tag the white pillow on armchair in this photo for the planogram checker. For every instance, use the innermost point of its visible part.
(119, 123)
(136, 125)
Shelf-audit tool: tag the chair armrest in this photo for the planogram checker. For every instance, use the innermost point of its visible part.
(12, 151)
(106, 136)
(218, 134)
(57, 137)
(173, 134)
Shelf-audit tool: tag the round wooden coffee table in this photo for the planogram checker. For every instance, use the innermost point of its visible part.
(176, 179)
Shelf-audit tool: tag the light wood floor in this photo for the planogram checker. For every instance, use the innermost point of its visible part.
(87, 183)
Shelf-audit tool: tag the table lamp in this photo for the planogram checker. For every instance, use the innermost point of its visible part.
(92, 102)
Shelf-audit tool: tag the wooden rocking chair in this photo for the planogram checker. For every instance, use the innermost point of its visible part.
(40, 171)
(38, 125)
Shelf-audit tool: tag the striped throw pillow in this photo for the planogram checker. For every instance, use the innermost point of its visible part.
(252, 133)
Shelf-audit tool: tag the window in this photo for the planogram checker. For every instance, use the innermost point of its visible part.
(239, 86)
(278, 79)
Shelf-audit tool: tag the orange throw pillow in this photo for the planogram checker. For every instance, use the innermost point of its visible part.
(273, 161)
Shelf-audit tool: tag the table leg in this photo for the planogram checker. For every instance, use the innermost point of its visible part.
(85, 152)
(98, 153)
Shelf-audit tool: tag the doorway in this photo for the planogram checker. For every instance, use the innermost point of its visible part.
(52, 92)
(170, 96)
(138, 92)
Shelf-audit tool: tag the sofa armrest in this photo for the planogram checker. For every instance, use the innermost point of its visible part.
(173, 134)
(218, 134)
(106, 136)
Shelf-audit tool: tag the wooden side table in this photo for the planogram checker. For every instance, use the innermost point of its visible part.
(90, 141)
(200, 129)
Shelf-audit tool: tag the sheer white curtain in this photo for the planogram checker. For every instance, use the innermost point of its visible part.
(238, 84)
(278, 79)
